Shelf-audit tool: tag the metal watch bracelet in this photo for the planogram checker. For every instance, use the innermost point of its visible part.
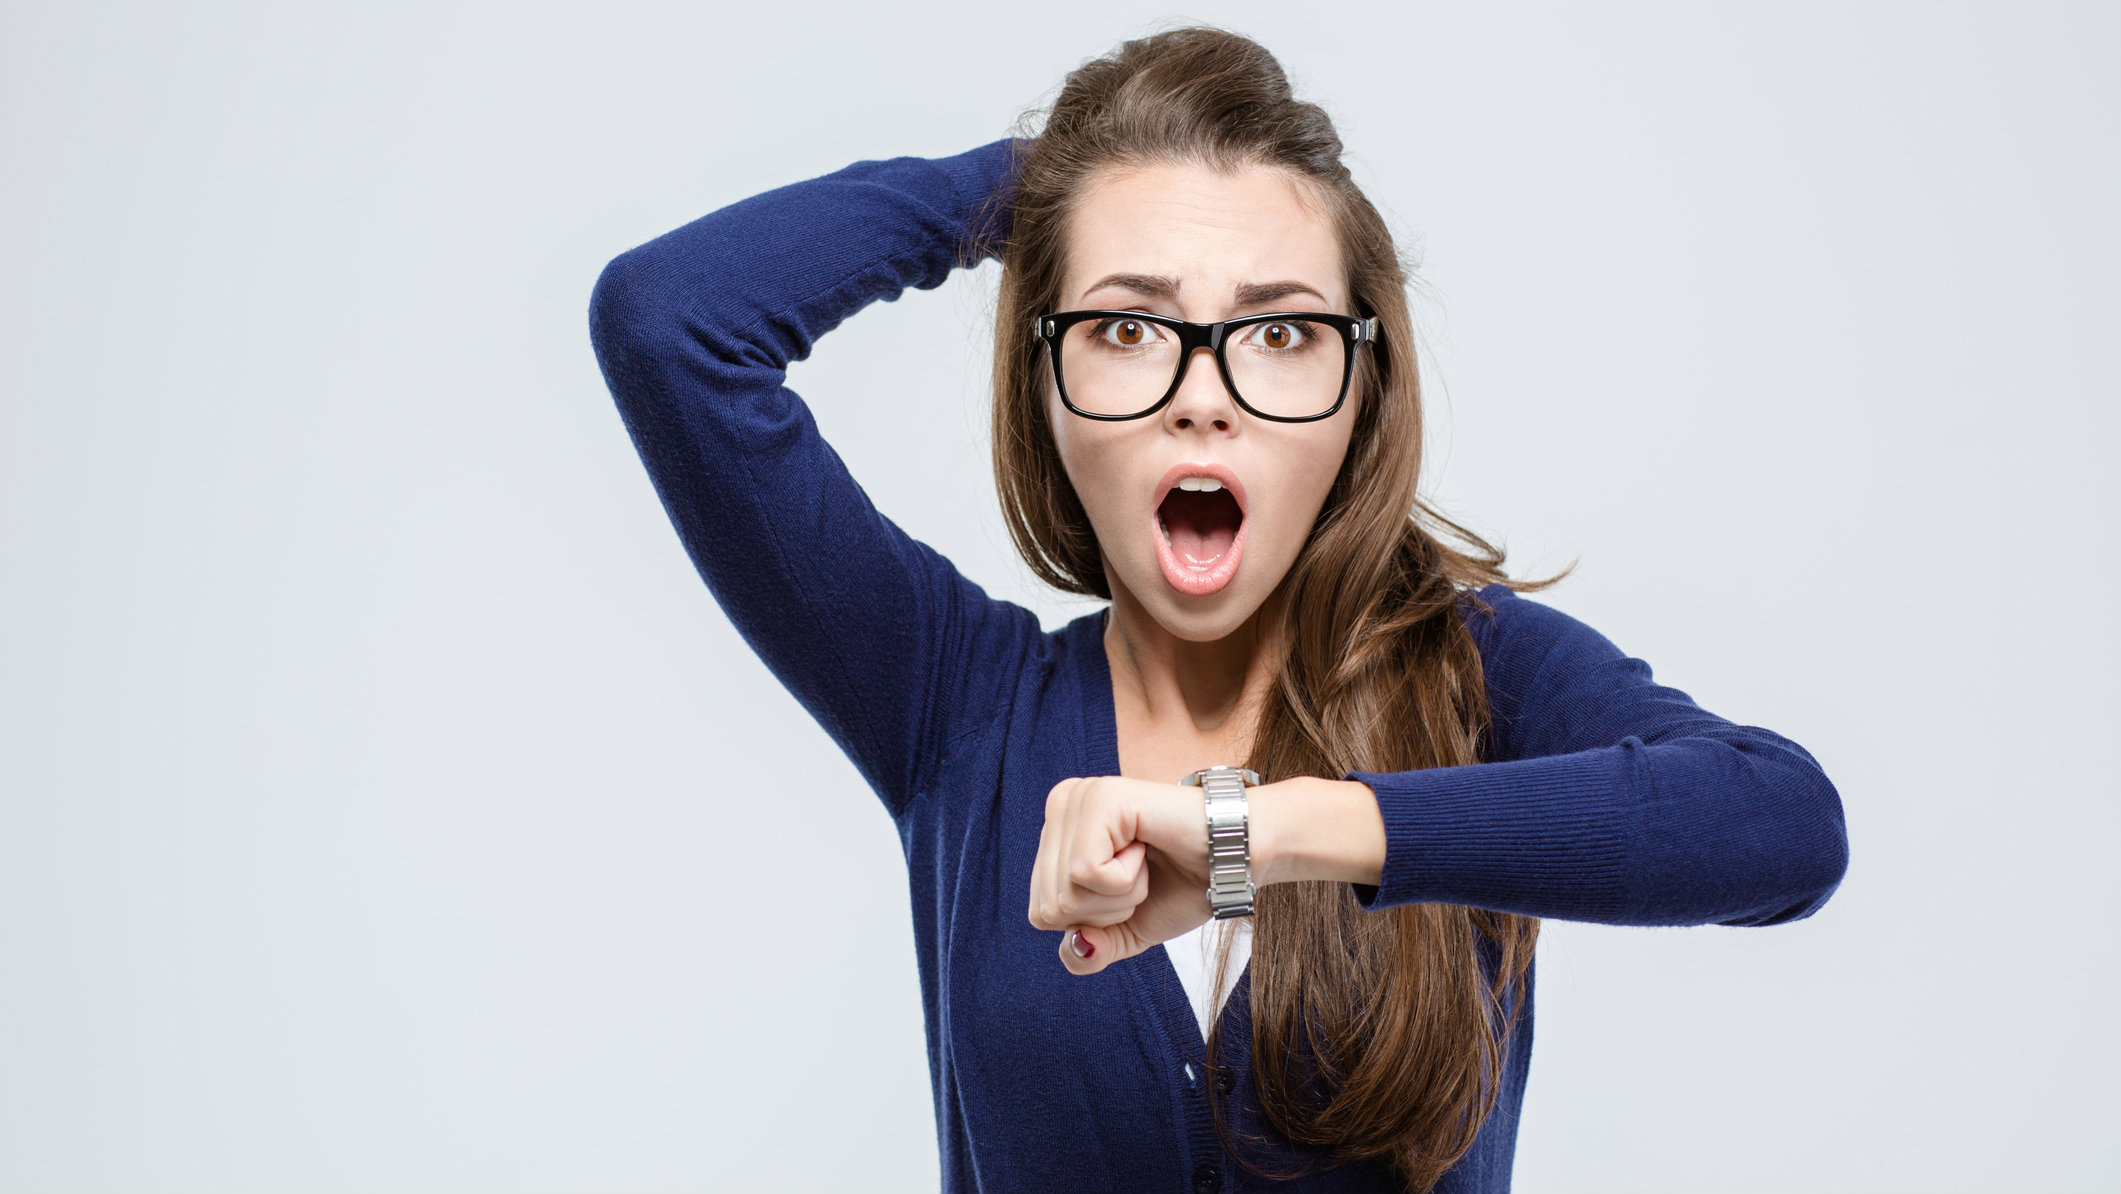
(1230, 886)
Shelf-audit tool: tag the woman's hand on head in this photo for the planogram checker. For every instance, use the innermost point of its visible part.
(1122, 866)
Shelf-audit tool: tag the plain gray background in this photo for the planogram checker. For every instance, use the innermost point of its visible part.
(388, 805)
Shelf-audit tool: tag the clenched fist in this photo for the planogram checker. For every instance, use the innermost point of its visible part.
(1123, 863)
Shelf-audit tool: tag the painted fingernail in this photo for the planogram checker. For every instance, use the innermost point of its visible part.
(1080, 944)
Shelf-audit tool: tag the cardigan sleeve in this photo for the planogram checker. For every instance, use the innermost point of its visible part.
(875, 633)
(1608, 797)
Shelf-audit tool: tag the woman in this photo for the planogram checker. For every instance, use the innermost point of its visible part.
(1206, 412)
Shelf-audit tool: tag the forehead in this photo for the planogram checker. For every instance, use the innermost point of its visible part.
(1211, 230)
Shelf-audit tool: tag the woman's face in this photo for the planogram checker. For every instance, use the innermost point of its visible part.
(1201, 245)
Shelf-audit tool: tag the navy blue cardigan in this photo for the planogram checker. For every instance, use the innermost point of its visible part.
(1607, 798)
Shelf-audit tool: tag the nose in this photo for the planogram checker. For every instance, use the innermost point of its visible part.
(1202, 399)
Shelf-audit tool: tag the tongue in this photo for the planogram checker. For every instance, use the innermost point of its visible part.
(1201, 526)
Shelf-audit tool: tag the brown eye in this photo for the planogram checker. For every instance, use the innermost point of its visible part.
(1279, 337)
(1128, 332)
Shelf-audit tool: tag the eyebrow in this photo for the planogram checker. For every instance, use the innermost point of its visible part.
(1249, 294)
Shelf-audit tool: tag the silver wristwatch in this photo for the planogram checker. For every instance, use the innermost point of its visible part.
(1230, 886)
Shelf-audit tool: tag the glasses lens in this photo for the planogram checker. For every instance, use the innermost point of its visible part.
(1117, 366)
(1288, 367)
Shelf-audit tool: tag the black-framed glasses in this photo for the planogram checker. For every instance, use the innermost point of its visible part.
(1289, 366)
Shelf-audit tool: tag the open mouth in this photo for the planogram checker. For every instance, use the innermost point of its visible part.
(1200, 528)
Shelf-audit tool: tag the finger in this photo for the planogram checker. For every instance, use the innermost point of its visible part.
(1046, 910)
(1079, 796)
(1041, 883)
(1101, 858)
(1085, 906)
(1036, 907)
(1124, 873)
(1103, 916)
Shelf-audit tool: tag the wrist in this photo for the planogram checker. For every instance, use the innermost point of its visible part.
(1316, 830)
(984, 181)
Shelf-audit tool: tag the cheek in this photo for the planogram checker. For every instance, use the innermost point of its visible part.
(1311, 466)
(1075, 455)
(1316, 458)
(1325, 463)
(1090, 457)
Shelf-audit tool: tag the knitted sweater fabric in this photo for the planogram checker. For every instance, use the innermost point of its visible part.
(1603, 796)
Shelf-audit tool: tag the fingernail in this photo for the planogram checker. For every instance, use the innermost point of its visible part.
(1080, 944)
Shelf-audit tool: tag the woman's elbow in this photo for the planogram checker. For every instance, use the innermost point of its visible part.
(626, 311)
(1810, 857)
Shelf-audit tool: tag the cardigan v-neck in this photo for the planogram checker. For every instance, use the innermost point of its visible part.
(1605, 796)
(1194, 956)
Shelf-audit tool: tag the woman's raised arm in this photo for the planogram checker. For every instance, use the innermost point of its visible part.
(874, 632)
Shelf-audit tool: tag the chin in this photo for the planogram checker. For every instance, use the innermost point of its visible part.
(1205, 619)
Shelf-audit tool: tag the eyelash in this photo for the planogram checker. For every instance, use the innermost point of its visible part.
(1307, 331)
(1098, 329)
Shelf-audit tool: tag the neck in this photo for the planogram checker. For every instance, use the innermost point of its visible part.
(1212, 689)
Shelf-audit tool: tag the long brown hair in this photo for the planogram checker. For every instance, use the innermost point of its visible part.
(1374, 1034)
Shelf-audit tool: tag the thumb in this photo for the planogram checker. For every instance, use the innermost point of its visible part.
(1086, 949)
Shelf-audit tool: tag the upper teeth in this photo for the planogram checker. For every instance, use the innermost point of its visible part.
(1200, 484)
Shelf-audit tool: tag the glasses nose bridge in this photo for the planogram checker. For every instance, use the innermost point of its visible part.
(1193, 339)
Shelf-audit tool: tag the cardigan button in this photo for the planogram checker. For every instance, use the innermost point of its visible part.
(1225, 1082)
(1206, 1180)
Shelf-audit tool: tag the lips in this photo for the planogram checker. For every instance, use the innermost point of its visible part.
(1199, 527)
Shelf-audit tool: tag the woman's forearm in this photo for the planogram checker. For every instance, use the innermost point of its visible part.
(734, 296)
(1323, 830)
